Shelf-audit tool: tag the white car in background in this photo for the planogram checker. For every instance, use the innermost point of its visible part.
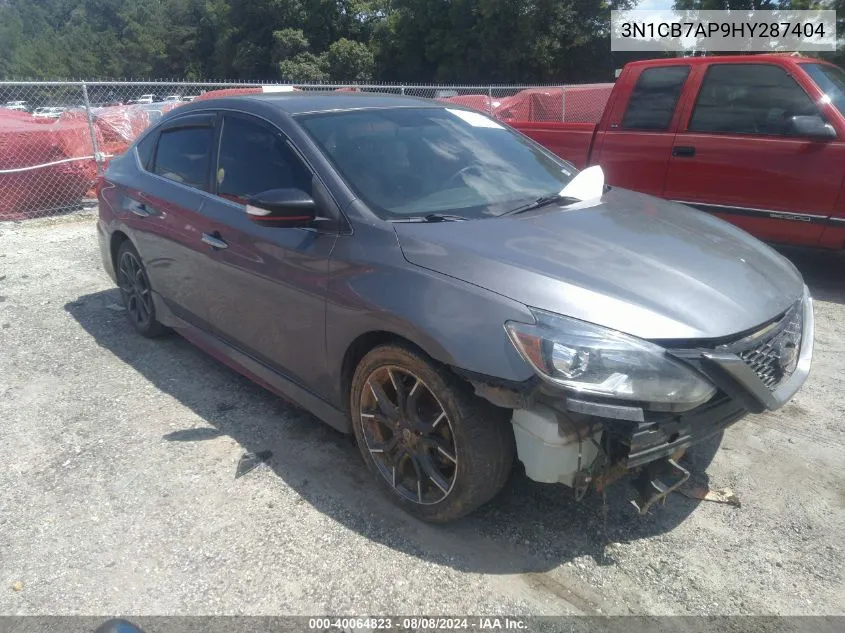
(148, 98)
(172, 98)
(20, 106)
(48, 113)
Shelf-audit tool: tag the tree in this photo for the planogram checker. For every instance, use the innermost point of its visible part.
(463, 41)
(289, 43)
(497, 40)
(11, 36)
(303, 69)
(349, 61)
(295, 61)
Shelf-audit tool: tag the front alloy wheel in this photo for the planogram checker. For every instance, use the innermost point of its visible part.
(438, 449)
(409, 435)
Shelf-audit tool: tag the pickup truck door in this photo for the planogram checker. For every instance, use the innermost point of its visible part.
(737, 156)
(635, 137)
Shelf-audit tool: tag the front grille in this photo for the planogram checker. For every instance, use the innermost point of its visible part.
(772, 352)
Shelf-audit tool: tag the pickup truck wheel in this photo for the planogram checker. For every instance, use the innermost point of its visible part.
(440, 451)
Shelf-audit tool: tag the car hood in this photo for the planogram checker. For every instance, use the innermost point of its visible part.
(631, 262)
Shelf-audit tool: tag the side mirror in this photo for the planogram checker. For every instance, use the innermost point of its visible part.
(812, 126)
(282, 208)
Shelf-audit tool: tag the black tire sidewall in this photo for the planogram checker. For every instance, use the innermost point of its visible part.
(153, 327)
(472, 485)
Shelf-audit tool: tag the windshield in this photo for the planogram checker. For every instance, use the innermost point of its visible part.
(415, 161)
(831, 80)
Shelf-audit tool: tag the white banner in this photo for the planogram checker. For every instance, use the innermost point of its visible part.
(723, 31)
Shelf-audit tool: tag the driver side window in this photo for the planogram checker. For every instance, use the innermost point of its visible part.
(254, 158)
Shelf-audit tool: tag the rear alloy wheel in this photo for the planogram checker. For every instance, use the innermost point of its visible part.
(136, 292)
(440, 450)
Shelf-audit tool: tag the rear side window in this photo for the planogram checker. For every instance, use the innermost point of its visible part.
(183, 155)
(749, 99)
(654, 98)
(145, 150)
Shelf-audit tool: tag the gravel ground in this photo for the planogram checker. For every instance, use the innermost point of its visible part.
(117, 493)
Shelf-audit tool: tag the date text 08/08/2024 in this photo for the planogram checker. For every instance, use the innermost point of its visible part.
(416, 623)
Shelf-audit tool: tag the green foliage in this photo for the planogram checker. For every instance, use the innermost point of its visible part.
(349, 61)
(289, 43)
(465, 41)
(304, 68)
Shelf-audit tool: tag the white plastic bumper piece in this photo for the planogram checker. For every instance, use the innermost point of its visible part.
(552, 447)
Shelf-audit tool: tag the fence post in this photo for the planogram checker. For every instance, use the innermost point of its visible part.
(403, 89)
(98, 158)
(562, 105)
(490, 100)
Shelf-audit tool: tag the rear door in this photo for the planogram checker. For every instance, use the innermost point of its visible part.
(269, 283)
(166, 211)
(736, 156)
(634, 144)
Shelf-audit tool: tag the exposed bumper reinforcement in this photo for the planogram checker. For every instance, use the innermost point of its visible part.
(656, 481)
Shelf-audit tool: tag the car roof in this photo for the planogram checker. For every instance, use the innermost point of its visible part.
(309, 102)
(778, 58)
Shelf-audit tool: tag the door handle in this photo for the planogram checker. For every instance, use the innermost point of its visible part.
(683, 150)
(138, 208)
(214, 241)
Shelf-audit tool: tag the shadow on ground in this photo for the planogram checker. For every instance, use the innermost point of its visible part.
(823, 271)
(529, 527)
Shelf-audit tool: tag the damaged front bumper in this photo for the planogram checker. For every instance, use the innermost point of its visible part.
(584, 443)
(583, 451)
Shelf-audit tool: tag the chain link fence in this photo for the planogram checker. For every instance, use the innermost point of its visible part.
(55, 137)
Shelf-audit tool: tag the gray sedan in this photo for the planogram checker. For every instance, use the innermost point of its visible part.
(450, 292)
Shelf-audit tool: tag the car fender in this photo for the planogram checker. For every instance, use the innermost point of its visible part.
(454, 322)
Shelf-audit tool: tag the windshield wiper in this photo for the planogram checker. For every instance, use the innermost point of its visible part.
(432, 217)
(542, 201)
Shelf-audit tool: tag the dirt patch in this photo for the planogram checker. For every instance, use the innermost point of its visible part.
(118, 495)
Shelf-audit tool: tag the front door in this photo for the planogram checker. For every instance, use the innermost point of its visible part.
(269, 283)
(741, 160)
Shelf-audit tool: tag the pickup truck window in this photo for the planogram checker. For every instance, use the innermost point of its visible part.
(831, 80)
(654, 98)
(749, 99)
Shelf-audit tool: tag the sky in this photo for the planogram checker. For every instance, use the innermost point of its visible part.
(654, 4)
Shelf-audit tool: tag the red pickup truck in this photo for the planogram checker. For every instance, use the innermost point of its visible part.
(758, 140)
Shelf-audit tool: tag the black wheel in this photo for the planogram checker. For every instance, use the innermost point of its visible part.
(136, 292)
(440, 451)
